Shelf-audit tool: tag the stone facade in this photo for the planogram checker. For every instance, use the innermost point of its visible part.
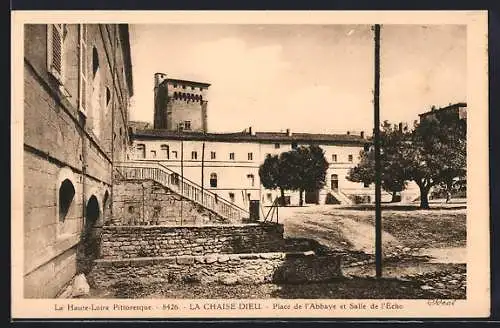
(163, 241)
(254, 268)
(75, 126)
(180, 103)
(145, 202)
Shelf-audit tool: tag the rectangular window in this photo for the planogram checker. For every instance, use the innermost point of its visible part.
(187, 125)
(55, 51)
(174, 153)
(231, 156)
(250, 156)
(153, 153)
(334, 157)
(276, 145)
(194, 155)
(231, 196)
(212, 155)
(350, 158)
(82, 90)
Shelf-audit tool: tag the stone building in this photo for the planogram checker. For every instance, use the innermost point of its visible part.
(458, 109)
(180, 104)
(77, 86)
(227, 164)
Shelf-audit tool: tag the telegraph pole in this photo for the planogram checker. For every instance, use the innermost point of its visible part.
(376, 132)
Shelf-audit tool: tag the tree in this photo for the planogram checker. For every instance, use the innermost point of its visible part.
(302, 169)
(272, 175)
(308, 165)
(393, 173)
(436, 153)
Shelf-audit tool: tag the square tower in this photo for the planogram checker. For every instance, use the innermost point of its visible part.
(180, 103)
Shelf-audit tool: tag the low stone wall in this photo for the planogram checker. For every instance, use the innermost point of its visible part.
(152, 241)
(256, 268)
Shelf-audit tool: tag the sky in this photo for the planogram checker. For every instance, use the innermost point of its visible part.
(307, 78)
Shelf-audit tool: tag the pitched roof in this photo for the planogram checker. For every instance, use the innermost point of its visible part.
(265, 137)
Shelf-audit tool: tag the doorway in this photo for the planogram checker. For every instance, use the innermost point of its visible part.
(91, 236)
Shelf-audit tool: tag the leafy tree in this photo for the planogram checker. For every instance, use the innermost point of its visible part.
(309, 165)
(437, 152)
(302, 169)
(432, 154)
(392, 173)
(272, 175)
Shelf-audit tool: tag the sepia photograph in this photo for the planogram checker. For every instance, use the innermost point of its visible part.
(268, 166)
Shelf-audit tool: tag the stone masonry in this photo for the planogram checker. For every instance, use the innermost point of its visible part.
(145, 202)
(218, 268)
(152, 241)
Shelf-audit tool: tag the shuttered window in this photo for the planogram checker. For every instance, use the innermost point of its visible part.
(83, 65)
(55, 51)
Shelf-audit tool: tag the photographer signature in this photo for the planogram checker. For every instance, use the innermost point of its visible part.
(440, 302)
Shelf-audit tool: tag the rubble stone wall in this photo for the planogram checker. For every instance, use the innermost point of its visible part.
(256, 268)
(153, 241)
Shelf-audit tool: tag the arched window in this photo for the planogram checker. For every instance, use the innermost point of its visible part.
(66, 195)
(334, 182)
(213, 180)
(165, 152)
(251, 179)
(140, 151)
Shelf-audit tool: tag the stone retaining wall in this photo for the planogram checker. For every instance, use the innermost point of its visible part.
(153, 241)
(254, 268)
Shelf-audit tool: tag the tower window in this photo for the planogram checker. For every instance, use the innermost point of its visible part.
(294, 145)
(174, 153)
(187, 125)
(250, 156)
(276, 145)
(231, 156)
(194, 155)
(334, 157)
(212, 155)
(231, 196)
(153, 153)
(350, 158)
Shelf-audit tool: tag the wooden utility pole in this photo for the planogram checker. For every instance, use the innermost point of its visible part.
(376, 132)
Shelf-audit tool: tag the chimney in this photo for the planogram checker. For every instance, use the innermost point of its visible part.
(288, 132)
(252, 133)
(362, 134)
(401, 127)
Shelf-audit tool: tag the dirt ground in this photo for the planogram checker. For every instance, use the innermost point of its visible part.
(435, 268)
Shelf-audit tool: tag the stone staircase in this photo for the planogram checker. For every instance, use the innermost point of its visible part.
(144, 170)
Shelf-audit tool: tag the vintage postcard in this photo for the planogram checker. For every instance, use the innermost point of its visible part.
(250, 164)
